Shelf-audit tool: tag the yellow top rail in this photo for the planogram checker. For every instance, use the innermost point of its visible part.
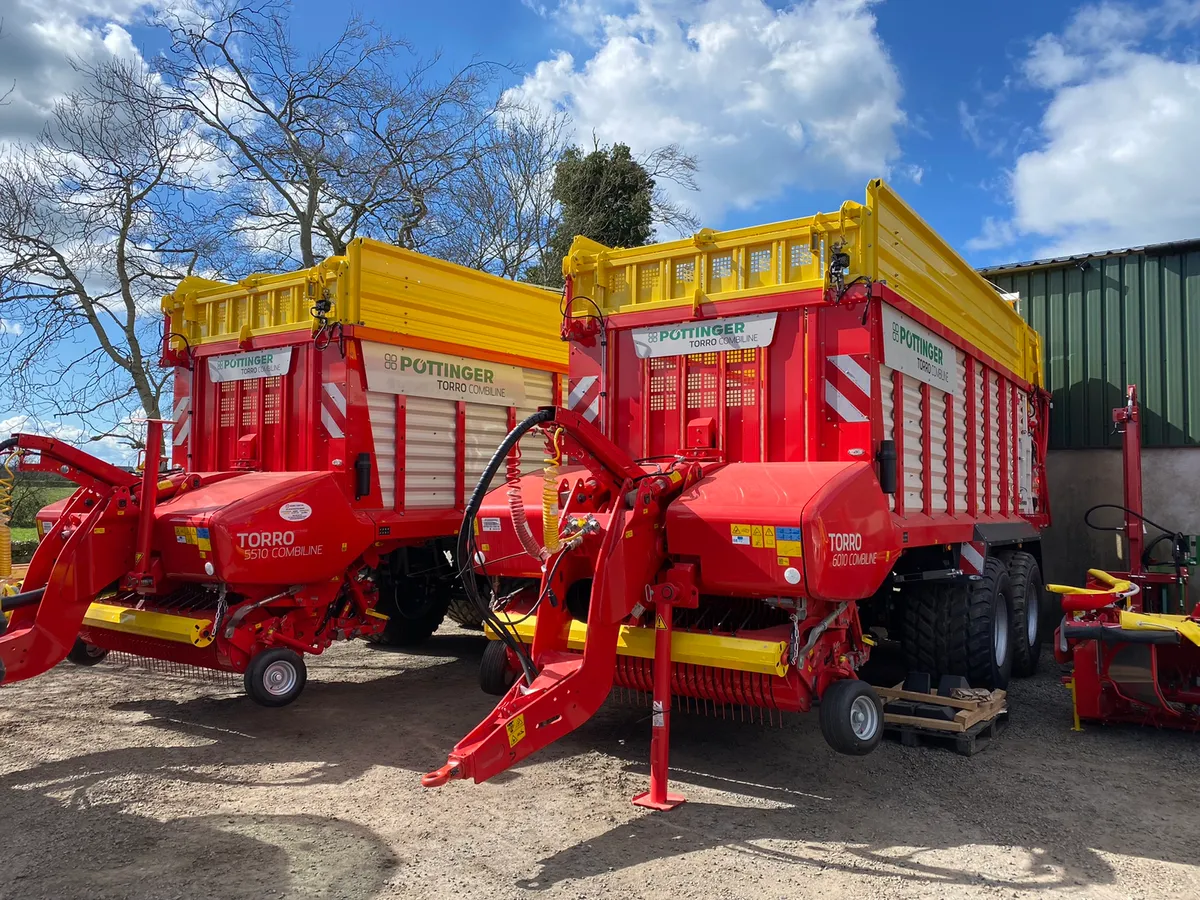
(382, 287)
(887, 241)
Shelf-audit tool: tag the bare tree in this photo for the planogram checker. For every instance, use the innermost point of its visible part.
(98, 219)
(671, 163)
(327, 147)
(501, 211)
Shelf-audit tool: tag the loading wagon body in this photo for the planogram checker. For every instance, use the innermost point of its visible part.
(830, 424)
(327, 425)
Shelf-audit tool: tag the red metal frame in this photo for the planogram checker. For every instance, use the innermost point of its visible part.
(1143, 676)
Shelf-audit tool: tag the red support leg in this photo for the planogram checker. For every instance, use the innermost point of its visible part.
(658, 797)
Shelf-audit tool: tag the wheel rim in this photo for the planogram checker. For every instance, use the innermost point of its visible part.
(1000, 630)
(279, 678)
(864, 718)
(1032, 616)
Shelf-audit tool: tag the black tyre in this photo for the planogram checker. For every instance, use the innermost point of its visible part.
(495, 674)
(1025, 576)
(415, 607)
(275, 677)
(851, 717)
(978, 631)
(923, 628)
(464, 611)
(85, 654)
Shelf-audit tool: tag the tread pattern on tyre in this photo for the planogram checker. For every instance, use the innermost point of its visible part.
(923, 629)
(1022, 570)
(463, 611)
(948, 627)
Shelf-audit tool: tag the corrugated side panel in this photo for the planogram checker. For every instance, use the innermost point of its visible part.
(886, 390)
(1130, 318)
(937, 450)
(487, 425)
(1026, 450)
(994, 430)
(980, 481)
(429, 454)
(914, 481)
(382, 410)
(960, 433)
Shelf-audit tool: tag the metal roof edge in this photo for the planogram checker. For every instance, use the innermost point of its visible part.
(1149, 249)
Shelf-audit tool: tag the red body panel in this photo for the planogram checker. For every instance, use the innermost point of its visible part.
(262, 528)
(821, 530)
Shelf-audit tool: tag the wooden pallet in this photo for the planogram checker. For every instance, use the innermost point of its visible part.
(966, 743)
(970, 712)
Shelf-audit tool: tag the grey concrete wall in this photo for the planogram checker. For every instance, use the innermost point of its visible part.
(1079, 479)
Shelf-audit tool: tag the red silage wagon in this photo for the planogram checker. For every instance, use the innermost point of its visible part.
(327, 427)
(781, 438)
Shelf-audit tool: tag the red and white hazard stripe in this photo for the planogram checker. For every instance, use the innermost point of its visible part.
(848, 388)
(181, 419)
(972, 556)
(333, 410)
(584, 397)
(181, 422)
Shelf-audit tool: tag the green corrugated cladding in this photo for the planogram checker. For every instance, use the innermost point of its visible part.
(1131, 318)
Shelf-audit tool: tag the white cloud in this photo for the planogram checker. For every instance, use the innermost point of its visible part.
(37, 44)
(996, 233)
(1118, 138)
(1050, 65)
(109, 448)
(804, 96)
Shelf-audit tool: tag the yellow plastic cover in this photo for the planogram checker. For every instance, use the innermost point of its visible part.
(385, 288)
(887, 241)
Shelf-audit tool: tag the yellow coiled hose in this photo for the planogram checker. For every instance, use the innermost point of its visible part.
(8, 480)
(550, 511)
(550, 491)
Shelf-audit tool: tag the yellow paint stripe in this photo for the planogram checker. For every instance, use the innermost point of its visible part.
(718, 651)
(145, 623)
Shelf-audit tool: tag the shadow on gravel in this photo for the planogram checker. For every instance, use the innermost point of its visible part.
(768, 793)
(234, 857)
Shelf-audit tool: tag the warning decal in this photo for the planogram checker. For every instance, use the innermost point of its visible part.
(516, 730)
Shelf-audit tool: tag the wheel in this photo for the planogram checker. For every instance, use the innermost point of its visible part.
(415, 607)
(85, 654)
(978, 630)
(464, 611)
(495, 674)
(1025, 577)
(275, 677)
(851, 717)
(923, 629)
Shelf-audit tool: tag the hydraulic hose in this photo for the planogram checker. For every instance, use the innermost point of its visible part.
(466, 536)
(17, 601)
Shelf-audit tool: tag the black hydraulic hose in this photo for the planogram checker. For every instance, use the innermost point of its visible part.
(1178, 541)
(466, 535)
(9, 444)
(17, 601)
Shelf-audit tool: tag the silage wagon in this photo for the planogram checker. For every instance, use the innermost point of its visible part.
(327, 427)
(782, 441)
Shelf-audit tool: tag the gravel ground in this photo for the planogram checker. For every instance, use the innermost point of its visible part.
(118, 783)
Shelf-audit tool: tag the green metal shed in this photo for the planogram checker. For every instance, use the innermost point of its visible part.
(1110, 319)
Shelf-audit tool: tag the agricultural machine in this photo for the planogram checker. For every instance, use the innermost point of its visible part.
(1133, 638)
(778, 442)
(327, 424)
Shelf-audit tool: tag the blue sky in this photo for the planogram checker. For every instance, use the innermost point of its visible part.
(1001, 116)
(1018, 129)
